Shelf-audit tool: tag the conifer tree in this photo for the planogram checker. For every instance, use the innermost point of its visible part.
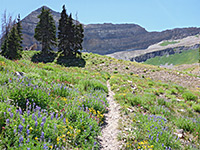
(62, 34)
(78, 38)
(45, 31)
(71, 33)
(19, 32)
(13, 45)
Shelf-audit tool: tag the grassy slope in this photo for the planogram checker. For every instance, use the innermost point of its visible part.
(187, 57)
(166, 106)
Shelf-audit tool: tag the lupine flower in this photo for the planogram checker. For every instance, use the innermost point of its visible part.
(27, 131)
(45, 147)
(7, 120)
(42, 135)
(33, 116)
(42, 124)
(4, 114)
(36, 123)
(20, 128)
(21, 139)
(157, 140)
(52, 116)
(20, 111)
(23, 120)
(39, 114)
(44, 119)
(9, 109)
(95, 143)
(152, 138)
(28, 140)
(56, 115)
(28, 112)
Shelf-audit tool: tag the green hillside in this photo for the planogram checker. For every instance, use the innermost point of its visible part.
(61, 104)
(186, 57)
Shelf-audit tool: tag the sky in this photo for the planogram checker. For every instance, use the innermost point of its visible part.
(153, 15)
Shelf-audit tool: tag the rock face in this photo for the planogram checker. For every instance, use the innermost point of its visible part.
(168, 51)
(108, 38)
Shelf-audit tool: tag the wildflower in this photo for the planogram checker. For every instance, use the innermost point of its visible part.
(23, 120)
(95, 143)
(20, 128)
(7, 120)
(28, 148)
(45, 147)
(21, 139)
(42, 124)
(27, 131)
(44, 119)
(28, 140)
(36, 138)
(42, 135)
(9, 109)
(11, 115)
(33, 116)
(56, 115)
(152, 138)
(50, 146)
(52, 115)
(157, 140)
(14, 130)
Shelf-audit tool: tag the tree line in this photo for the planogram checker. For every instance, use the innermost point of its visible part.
(69, 40)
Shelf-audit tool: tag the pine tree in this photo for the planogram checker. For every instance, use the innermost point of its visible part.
(62, 34)
(78, 38)
(45, 31)
(4, 47)
(70, 32)
(13, 45)
(19, 32)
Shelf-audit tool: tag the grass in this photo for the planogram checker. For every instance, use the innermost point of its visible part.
(165, 43)
(158, 110)
(186, 57)
(61, 104)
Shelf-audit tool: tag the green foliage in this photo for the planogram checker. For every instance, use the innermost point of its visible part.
(188, 96)
(186, 57)
(45, 31)
(196, 107)
(168, 43)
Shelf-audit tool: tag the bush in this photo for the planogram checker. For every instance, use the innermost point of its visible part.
(189, 96)
(196, 107)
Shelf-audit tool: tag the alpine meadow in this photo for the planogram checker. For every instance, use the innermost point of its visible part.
(57, 92)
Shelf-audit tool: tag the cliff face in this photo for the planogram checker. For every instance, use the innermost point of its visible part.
(108, 38)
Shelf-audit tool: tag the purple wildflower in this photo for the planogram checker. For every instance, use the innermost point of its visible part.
(52, 115)
(39, 114)
(20, 128)
(157, 140)
(151, 137)
(56, 115)
(45, 147)
(42, 135)
(9, 109)
(7, 120)
(95, 143)
(21, 139)
(23, 120)
(28, 140)
(33, 116)
(4, 114)
(42, 124)
(14, 130)
(162, 145)
(44, 119)
(27, 131)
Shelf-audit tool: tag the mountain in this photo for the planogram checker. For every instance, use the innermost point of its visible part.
(108, 38)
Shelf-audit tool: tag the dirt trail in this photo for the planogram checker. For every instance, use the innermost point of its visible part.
(110, 130)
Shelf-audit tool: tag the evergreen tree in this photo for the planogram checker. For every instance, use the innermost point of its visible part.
(62, 34)
(45, 31)
(13, 45)
(19, 32)
(4, 47)
(71, 33)
(78, 38)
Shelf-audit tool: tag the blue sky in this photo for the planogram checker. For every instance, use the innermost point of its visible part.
(154, 15)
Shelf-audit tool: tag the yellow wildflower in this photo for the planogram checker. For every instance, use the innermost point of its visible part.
(36, 138)
(51, 146)
(68, 132)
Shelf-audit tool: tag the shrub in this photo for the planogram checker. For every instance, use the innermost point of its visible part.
(189, 96)
(196, 107)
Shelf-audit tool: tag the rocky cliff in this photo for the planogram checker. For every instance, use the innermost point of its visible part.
(109, 38)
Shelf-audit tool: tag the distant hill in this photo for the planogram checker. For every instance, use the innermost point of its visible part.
(109, 38)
